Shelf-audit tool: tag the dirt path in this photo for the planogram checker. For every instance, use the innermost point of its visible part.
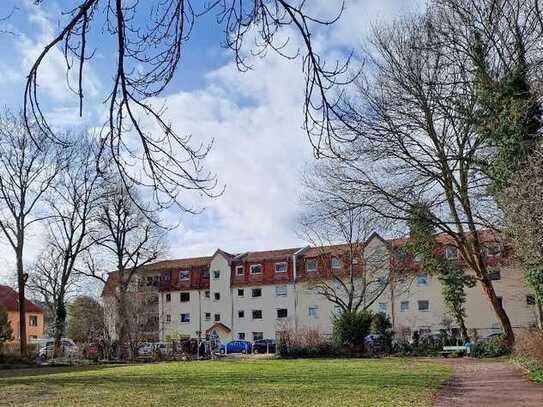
(488, 383)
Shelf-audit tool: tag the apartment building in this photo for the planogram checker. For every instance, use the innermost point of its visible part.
(257, 295)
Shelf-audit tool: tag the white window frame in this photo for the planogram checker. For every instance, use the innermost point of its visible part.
(313, 311)
(338, 265)
(216, 274)
(168, 318)
(184, 292)
(187, 321)
(215, 296)
(253, 314)
(238, 269)
(423, 310)
(257, 296)
(259, 336)
(242, 292)
(423, 282)
(284, 263)
(187, 278)
(207, 294)
(406, 308)
(207, 316)
(307, 270)
(241, 310)
(253, 266)
(241, 336)
(449, 257)
(281, 294)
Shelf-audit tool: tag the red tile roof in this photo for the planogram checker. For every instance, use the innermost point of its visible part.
(9, 299)
(269, 254)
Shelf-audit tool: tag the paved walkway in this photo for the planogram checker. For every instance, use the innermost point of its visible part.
(488, 383)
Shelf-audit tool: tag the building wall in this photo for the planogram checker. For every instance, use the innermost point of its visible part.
(32, 332)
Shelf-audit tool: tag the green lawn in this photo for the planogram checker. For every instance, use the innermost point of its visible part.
(352, 382)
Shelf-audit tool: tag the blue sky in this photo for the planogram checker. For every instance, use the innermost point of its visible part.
(255, 118)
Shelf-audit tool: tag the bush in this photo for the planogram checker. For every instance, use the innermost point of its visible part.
(304, 343)
(528, 352)
(351, 328)
(491, 348)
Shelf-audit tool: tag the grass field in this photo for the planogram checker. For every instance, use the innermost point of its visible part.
(385, 382)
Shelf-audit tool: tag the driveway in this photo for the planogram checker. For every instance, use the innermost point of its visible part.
(494, 383)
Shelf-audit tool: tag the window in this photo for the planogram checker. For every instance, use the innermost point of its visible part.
(168, 297)
(256, 269)
(241, 336)
(185, 318)
(241, 292)
(207, 316)
(184, 297)
(404, 306)
(149, 281)
(206, 294)
(313, 312)
(216, 274)
(494, 275)
(282, 313)
(257, 314)
(205, 274)
(530, 300)
(491, 250)
(240, 270)
(167, 276)
(422, 280)
(382, 307)
(241, 314)
(424, 305)
(217, 317)
(168, 318)
(217, 296)
(280, 290)
(310, 266)
(257, 336)
(451, 253)
(281, 267)
(33, 320)
(256, 292)
(184, 275)
(336, 263)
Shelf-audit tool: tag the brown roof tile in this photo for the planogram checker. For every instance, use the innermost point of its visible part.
(9, 299)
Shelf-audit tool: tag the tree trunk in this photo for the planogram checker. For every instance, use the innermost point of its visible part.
(463, 328)
(60, 325)
(124, 351)
(21, 282)
(488, 288)
(539, 306)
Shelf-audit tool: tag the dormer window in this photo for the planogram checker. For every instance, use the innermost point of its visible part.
(256, 269)
(281, 267)
(240, 270)
(336, 263)
(451, 253)
(184, 275)
(310, 266)
(491, 250)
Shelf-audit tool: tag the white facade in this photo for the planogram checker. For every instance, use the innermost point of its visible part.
(261, 310)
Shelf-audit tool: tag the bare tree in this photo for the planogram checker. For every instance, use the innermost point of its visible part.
(73, 203)
(415, 117)
(26, 175)
(131, 240)
(147, 57)
(351, 276)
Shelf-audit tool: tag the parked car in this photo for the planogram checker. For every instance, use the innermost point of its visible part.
(90, 351)
(264, 346)
(68, 348)
(238, 346)
(491, 337)
(146, 349)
